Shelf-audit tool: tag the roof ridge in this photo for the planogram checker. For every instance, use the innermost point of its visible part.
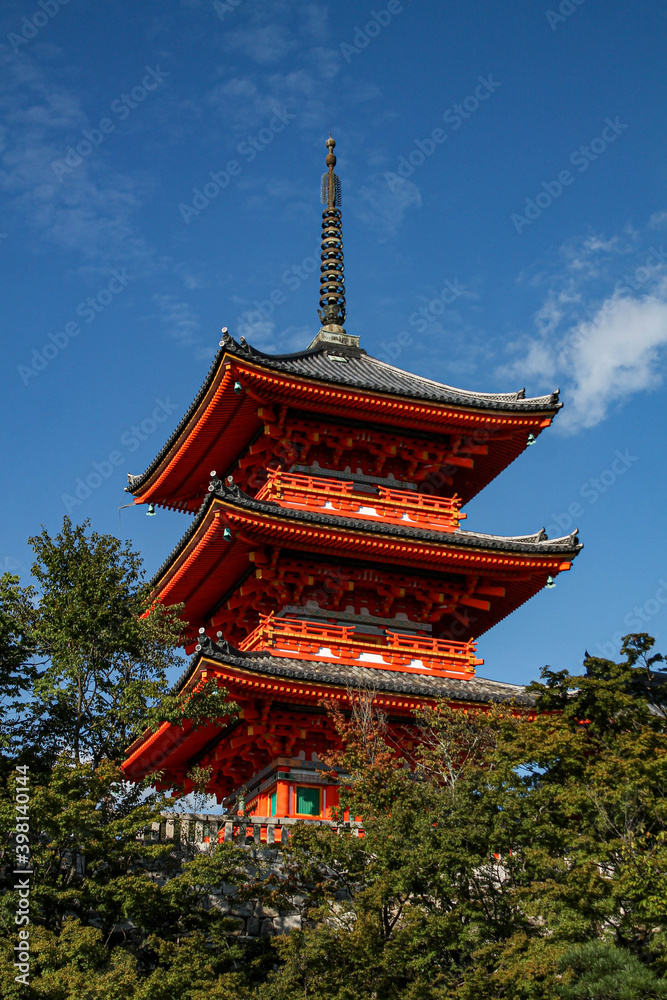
(247, 350)
(519, 394)
(477, 689)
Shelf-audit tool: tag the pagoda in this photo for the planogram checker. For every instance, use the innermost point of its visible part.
(327, 555)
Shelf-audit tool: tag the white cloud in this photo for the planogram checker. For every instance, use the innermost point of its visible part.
(287, 32)
(605, 360)
(619, 353)
(193, 276)
(658, 220)
(273, 30)
(268, 43)
(602, 327)
(590, 257)
(555, 307)
(246, 103)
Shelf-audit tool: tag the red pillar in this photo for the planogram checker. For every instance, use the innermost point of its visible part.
(282, 798)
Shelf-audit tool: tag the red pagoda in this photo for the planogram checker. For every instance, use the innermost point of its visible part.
(328, 553)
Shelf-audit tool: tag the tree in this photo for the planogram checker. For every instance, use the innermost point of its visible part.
(113, 913)
(85, 663)
(506, 854)
(514, 858)
(107, 648)
(86, 655)
(598, 970)
(17, 672)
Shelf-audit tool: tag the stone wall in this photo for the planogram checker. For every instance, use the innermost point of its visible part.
(263, 838)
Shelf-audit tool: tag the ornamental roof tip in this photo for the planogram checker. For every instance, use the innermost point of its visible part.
(534, 544)
(572, 537)
(477, 689)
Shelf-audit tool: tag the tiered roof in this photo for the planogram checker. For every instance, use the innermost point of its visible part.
(293, 684)
(339, 381)
(213, 559)
(348, 568)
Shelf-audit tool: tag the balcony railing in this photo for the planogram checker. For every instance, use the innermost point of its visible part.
(203, 830)
(301, 639)
(336, 496)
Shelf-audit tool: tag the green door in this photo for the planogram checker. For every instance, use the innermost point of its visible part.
(308, 801)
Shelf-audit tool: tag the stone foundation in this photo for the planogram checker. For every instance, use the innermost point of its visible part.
(263, 838)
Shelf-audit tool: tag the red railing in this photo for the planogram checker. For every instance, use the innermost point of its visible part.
(296, 638)
(338, 496)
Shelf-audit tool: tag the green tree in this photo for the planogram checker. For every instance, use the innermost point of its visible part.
(86, 655)
(107, 648)
(506, 854)
(598, 970)
(116, 913)
(17, 671)
(85, 660)
(507, 845)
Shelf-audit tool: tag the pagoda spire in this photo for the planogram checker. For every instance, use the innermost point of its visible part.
(332, 280)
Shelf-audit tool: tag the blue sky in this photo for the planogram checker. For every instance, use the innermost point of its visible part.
(514, 150)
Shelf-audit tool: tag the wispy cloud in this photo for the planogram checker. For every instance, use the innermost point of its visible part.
(193, 276)
(269, 32)
(182, 324)
(93, 215)
(262, 43)
(658, 220)
(382, 211)
(605, 348)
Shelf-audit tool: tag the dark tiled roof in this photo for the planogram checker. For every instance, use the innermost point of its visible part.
(357, 369)
(343, 675)
(535, 544)
(352, 366)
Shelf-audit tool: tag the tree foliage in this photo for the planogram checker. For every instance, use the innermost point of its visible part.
(86, 654)
(505, 854)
